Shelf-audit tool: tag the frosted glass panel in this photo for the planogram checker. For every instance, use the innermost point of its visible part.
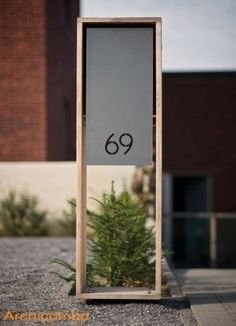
(119, 95)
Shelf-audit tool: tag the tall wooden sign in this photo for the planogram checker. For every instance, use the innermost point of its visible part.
(119, 104)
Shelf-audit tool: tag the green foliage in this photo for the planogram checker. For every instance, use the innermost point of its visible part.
(122, 249)
(20, 216)
(68, 221)
(71, 277)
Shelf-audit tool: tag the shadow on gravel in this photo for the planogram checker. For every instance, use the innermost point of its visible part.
(177, 304)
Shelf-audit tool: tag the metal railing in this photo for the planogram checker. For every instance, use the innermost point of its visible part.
(212, 217)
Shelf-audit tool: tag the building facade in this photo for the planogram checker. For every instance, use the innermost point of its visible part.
(37, 84)
(37, 118)
(199, 159)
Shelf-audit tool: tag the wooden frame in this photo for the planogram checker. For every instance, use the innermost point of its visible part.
(115, 293)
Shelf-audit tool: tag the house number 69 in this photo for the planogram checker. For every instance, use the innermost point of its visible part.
(125, 140)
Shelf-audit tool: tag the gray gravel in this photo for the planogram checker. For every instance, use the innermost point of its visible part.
(27, 285)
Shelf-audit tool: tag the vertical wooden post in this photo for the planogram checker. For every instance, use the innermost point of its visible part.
(158, 51)
(213, 241)
(81, 172)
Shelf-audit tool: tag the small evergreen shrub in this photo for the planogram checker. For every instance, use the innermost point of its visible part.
(122, 248)
(20, 216)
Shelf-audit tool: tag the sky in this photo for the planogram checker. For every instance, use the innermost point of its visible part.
(198, 35)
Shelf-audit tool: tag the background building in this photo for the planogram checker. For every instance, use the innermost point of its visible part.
(199, 158)
(37, 84)
(37, 123)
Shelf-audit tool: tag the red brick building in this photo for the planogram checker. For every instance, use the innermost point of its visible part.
(37, 83)
(37, 109)
(200, 131)
(199, 155)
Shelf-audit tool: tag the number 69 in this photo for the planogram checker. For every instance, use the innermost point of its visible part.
(112, 147)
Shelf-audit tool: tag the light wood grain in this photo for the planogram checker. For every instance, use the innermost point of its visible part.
(119, 293)
(81, 173)
(158, 51)
(121, 20)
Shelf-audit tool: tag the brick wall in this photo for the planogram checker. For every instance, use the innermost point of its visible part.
(37, 79)
(61, 78)
(199, 125)
(22, 81)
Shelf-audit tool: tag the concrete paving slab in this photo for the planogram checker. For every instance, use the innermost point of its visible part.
(211, 293)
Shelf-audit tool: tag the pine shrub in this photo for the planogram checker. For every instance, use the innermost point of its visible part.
(122, 248)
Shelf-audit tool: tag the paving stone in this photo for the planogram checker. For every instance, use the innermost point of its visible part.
(211, 293)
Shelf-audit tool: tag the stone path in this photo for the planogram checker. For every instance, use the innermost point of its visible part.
(211, 293)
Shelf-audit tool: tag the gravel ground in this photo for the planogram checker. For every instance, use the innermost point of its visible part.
(27, 285)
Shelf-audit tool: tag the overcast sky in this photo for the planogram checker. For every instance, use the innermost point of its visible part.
(197, 34)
